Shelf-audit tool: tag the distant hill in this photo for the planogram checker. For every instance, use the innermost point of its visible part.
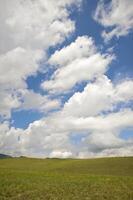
(4, 156)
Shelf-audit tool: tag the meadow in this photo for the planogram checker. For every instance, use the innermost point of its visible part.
(66, 179)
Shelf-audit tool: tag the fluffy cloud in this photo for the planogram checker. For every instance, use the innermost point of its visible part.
(99, 135)
(9, 101)
(77, 62)
(35, 101)
(99, 96)
(81, 47)
(124, 90)
(24, 99)
(17, 65)
(51, 137)
(117, 15)
(34, 24)
(28, 29)
(9, 139)
(90, 122)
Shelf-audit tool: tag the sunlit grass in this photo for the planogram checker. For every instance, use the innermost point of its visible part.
(70, 179)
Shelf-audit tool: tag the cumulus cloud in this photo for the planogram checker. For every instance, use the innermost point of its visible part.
(9, 101)
(99, 135)
(17, 65)
(82, 47)
(89, 124)
(116, 15)
(28, 29)
(34, 24)
(51, 137)
(80, 61)
(101, 95)
(36, 101)
(9, 139)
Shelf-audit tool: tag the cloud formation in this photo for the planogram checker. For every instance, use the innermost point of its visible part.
(90, 121)
(101, 95)
(99, 136)
(116, 15)
(28, 29)
(80, 61)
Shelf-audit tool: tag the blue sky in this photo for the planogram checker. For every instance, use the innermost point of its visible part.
(44, 81)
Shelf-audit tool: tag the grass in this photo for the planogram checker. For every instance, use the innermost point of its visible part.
(66, 179)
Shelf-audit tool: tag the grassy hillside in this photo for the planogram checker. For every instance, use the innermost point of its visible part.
(55, 179)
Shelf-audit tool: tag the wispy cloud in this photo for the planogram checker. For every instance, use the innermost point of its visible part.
(117, 15)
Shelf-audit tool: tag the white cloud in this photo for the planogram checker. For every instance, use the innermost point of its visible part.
(99, 133)
(34, 24)
(124, 90)
(9, 100)
(59, 154)
(9, 140)
(101, 95)
(82, 47)
(25, 100)
(35, 101)
(96, 97)
(17, 65)
(28, 29)
(51, 137)
(82, 63)
(117, 15)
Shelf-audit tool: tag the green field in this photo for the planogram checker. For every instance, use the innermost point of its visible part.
(66, 179)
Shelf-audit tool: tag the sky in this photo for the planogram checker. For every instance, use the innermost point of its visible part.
(66, 78)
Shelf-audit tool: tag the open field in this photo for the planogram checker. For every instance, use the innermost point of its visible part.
(66, 179)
